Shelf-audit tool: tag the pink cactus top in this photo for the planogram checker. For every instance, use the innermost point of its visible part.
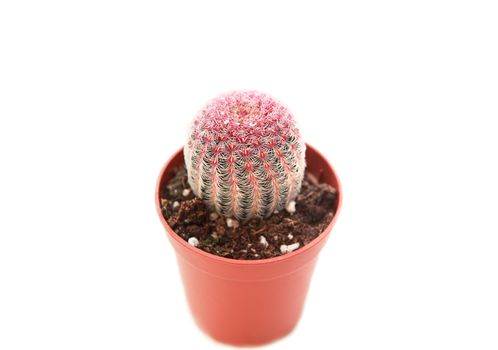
(245, 155)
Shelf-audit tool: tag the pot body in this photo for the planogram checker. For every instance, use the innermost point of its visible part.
(248, 302)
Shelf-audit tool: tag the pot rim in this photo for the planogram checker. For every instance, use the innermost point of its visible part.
(242, 262)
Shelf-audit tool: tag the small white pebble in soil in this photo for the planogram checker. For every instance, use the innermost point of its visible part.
(292, 247)
(185, 192)
(291, 207)
(214, 235)
(289, 248)
(193, 241)
(175, 204)
(213, 216)
(290, 236)
(263, 241)
(232, 223)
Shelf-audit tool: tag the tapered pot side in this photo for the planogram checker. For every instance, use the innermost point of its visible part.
(248, 302)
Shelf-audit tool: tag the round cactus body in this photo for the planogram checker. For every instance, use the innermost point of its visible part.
(245, 155)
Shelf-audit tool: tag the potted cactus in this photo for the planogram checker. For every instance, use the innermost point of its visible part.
(247, 206)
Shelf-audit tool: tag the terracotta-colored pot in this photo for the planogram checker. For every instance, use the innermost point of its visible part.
(248, 302)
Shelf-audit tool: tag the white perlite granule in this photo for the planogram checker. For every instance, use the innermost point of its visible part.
(185, 192)
(232, 223)
(290, 236)
(213, 216)
(263, 241)
(175, 204)
(291, 207)
(289, 248)
(193, 241)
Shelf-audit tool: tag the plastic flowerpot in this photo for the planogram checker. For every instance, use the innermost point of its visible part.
(248, 302)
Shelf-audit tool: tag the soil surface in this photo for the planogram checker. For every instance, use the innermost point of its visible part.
(278, 234)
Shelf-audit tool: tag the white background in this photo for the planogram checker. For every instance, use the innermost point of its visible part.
(401, 96)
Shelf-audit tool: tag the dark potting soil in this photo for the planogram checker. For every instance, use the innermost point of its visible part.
(257, 238)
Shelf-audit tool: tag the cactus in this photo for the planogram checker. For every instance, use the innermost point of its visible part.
(245, 156)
